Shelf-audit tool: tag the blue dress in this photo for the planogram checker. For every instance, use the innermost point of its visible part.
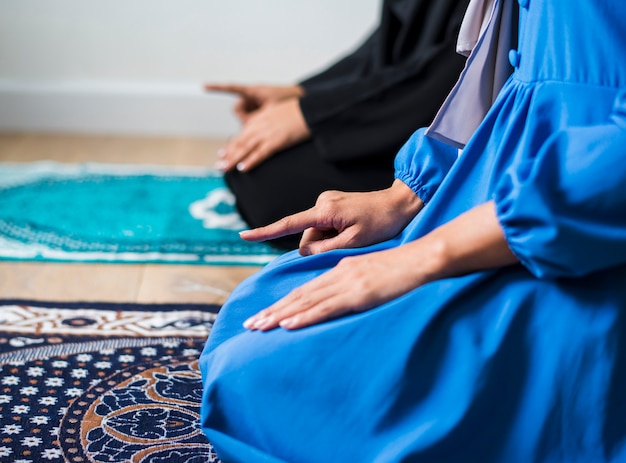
(521, 364)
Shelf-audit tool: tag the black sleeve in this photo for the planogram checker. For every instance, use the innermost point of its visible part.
(382, 122)
(369, 103)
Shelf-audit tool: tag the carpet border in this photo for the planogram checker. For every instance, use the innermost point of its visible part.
(139, 306)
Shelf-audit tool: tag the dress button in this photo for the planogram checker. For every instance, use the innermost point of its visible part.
(523, 3)
(514, 58)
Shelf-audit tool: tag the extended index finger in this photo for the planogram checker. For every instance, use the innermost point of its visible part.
(227, 88)
(289, 225)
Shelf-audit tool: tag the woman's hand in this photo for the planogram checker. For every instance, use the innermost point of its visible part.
(274, 127)
(472, 242)
(255, 97)
(356, 284)
(346, 220)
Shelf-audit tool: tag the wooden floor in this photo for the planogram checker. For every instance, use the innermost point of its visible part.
(144, 283)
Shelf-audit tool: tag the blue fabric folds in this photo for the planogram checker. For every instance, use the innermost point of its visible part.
(514, 365)
(564, 212)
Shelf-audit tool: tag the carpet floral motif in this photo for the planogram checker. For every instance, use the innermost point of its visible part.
(102, 383)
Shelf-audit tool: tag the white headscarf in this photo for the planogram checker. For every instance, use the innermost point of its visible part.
(477, 17)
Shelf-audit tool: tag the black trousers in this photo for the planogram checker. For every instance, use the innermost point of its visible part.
(291, 180)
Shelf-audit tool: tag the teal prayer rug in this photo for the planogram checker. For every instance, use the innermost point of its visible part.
(117, 213)
(102, 383)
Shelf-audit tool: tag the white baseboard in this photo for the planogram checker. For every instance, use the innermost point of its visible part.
(125, 109)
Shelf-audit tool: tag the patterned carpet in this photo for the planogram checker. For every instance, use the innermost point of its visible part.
(102, 382)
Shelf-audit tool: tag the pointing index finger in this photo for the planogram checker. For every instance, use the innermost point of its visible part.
(227, 88)
(289, 225)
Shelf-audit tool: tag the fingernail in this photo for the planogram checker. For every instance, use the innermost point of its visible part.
(221, 152)
(289, 322)
(263, 323)
(241, 167)
(221, 165)
(249, 323)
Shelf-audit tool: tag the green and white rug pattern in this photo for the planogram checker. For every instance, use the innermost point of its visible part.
(116, 213)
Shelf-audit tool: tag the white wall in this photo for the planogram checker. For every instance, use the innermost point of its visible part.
(136, 66)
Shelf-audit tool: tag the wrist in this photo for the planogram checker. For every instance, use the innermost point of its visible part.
(404, 199)
(433, 256)
(298, 91)
(292, 91)
(301, 130)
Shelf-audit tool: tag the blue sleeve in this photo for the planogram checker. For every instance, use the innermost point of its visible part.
(423, 162)
(564, 212)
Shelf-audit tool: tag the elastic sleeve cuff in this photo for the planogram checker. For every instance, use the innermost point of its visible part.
(422, 164)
